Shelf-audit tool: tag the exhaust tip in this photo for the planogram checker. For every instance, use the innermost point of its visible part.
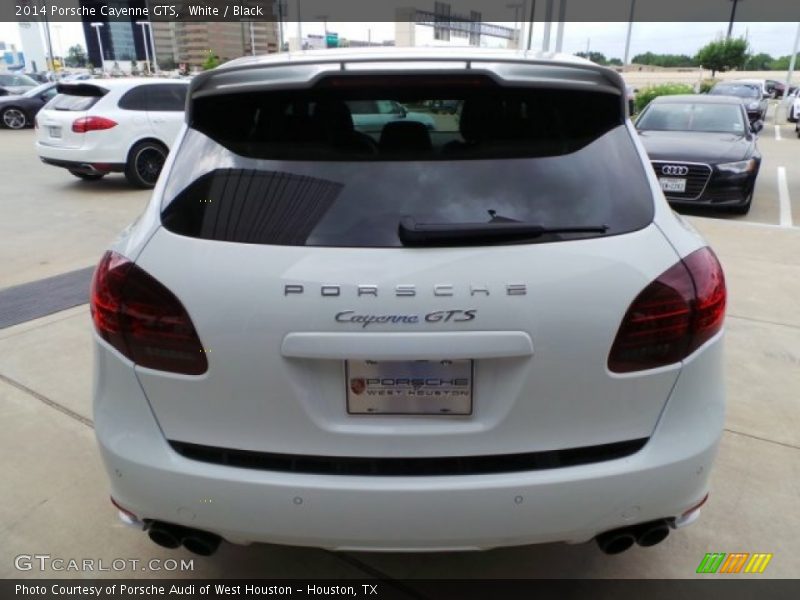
(615, 542)
(202, 543)
(651, 534)
(163, 535)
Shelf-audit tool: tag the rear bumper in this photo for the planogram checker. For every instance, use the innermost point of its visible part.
(85, 167)
(90, 159)
(572, 504)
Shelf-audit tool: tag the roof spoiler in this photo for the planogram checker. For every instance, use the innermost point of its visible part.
(81, 89)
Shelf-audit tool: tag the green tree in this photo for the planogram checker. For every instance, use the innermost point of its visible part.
(723, 55)
(782, 63)
(211, 61)
(76, 56)
(595, 57)
(759, 62)
(643, 97)
(664, 60)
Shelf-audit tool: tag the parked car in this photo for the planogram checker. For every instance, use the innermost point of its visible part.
(96, 127)
(751, 95)
(373, 115)
(449, 107)
(703, 150)
(18, 112)
(776, 89)
(790, 105)
(322, 337)
(15, 84)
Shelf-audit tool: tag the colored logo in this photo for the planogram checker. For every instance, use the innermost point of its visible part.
(735, 562)
(358, 385)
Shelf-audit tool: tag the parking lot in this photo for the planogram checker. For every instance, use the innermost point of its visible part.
(55, 497)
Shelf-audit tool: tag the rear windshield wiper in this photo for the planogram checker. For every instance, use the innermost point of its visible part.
(412, 233)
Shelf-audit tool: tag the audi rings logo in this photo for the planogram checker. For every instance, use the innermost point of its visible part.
(674, 170)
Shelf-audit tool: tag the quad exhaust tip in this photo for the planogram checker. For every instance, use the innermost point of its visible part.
(645, 534)
(172, 536)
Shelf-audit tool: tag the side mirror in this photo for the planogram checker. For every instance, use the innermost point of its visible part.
(757, 126)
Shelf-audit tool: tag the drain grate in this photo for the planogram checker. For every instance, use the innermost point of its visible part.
(40, 298)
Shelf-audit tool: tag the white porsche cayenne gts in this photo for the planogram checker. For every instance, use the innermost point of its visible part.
(490, 333)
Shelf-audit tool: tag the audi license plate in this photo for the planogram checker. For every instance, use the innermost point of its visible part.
(415, 387)
(670, 184)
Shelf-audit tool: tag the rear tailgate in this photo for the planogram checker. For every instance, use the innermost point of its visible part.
(280, 237)
(57, 117)
(268, 389)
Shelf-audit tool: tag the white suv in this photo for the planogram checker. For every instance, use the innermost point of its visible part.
(491, 333)
(96, 127)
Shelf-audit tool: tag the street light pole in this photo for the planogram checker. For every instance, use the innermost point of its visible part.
(97, 27)
(252, 40)
(530, 25)
(562, 15)
(630, 30)
(733, 18)
(143, 24)
(153, 46)
(793, 60)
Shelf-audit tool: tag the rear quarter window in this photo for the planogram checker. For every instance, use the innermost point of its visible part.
(341, 165)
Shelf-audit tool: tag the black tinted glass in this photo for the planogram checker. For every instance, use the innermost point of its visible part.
(311, 168)
(167, 97)
(135, 98)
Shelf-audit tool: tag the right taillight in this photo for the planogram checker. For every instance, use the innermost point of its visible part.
(673, 316)
(142, 319)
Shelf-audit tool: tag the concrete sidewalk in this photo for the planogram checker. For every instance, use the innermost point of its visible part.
(55, 498)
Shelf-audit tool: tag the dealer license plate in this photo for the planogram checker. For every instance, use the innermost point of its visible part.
(417, 387)
(669, 184)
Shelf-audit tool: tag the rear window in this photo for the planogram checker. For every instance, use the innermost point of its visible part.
(78, 97)
(342, 163)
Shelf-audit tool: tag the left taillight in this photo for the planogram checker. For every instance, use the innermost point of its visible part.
(86, 124)
(141, 318)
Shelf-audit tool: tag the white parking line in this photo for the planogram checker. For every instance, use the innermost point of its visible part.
(783, 199)
(778, 133)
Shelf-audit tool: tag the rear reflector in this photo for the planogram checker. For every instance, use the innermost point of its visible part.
(673, 316)
(142, 319)
(86, 124)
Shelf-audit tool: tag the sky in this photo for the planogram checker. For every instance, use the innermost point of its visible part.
(609, 38)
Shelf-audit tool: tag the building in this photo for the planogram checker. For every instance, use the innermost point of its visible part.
(122, 39)
(30, 35)
(189, 42)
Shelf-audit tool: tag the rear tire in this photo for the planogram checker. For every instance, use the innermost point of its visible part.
(14, 118)
(145, 161)
(87, 176)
